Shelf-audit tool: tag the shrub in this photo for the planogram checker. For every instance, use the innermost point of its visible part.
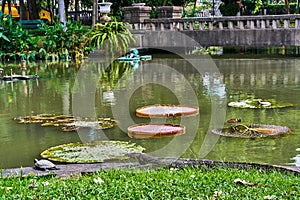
(230, 9)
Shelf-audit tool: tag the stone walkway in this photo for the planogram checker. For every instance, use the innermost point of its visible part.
(138, 161)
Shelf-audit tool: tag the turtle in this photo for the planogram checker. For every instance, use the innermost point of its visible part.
(44, 165)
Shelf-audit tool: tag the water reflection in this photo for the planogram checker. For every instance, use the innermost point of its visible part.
(54, 92)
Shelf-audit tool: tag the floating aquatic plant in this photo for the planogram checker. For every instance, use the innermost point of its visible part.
(253, 131)
(100, 123)
(68, 123)
(166, 110)
(259, 103)
(98, 151)
(155, 130)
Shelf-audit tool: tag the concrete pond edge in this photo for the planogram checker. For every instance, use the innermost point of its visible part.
(140, 161)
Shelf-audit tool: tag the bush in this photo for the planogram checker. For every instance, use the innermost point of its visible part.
(230, 9)
(279, 9)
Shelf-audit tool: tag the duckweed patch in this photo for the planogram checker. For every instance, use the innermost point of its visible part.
(98, 151)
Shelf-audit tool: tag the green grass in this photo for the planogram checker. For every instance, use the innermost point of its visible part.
(185, 183)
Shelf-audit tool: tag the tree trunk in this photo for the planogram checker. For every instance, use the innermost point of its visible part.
(76, 10)
(67, 4)
(61, 11)
(165, 3)
(22, 10)
(95, 13)
(8, 5)
(49, 6)
(287, 6)
(32, 9)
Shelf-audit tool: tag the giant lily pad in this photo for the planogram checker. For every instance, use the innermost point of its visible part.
(259, 103)
(166, 111)
(45, 118)
(155, 130)
(101, 123)
(253, 131)
(68, 123)
(99, 151)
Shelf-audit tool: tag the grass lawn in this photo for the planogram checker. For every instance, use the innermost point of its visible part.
(166, 183)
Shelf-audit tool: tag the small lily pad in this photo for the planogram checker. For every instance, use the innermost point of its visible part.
(259, 103)
(98, 151)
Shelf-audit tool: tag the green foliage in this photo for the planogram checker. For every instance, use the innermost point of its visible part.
(51, 41)
(62, 40)
(279, 9)
(13, 38)
(112, 36)
(167, 183)
(258, 5)
(230, 9)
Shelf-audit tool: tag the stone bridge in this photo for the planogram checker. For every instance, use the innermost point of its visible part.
(252, 31)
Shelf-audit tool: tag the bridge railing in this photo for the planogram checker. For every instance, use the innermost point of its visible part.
(220, 23)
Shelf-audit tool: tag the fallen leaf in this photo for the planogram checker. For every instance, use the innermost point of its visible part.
(243, 182)
(45, 183)
(9, 188)
(270, 197)
(98, 180)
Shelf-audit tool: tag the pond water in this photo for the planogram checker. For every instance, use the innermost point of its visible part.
(93, 89)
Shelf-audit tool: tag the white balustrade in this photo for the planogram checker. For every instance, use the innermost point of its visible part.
(222, 23)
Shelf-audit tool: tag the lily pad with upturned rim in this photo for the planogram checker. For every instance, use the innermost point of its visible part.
(93, 152)
(166, 110)
(155, 130)
(253, 131)
(259, 104)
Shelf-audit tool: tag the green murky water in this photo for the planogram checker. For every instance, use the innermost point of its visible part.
(93, 89)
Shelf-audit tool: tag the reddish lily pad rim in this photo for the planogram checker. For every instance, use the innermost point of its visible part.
(150, 134)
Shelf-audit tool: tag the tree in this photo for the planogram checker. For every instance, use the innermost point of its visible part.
(32, 9)
(61, 11)
(95, 13)
(9, 6)
(22, 10)
(287, 6)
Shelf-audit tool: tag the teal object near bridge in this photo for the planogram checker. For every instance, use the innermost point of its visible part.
(133, 55)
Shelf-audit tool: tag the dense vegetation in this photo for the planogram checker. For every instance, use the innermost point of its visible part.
(168, 183)
(59, 42)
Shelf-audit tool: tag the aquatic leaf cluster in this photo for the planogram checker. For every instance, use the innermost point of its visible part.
(68, 123)
(259, 103)
(98, 151)
(253, 131)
